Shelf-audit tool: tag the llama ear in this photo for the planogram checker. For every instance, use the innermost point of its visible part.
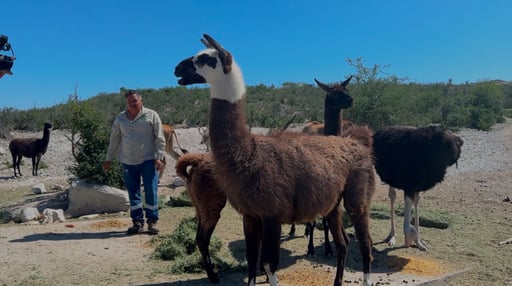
(344, 84)
(225, 57)
(211, 43)
(324, 86)
(205, 42)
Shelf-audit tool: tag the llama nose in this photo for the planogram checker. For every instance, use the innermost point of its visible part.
(185, 66)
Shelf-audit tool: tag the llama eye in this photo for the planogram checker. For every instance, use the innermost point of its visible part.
(206, 60)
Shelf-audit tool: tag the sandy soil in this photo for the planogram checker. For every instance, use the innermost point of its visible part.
(97, 252)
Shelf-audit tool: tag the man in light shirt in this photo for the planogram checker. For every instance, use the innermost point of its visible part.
(138, 141)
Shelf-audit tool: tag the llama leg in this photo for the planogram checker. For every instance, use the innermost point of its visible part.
(357, 198)
(292, 231)
(418, 241)
(205, 227)
(18, 162)
(35, 165)
(409, 230)
(270, 248)
(14, 157)
(327, 243)
(252, 232)
(203, 237)
(361, 222)
(391, 239)
(335, 223)
(310, 229)
(209, 203)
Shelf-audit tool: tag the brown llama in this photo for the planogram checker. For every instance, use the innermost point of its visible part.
(197, 171)
(336, 100)
(287, 178)
(170, 135)
(33, 148)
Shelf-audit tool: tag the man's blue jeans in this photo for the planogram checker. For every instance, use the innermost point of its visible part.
(132, 178)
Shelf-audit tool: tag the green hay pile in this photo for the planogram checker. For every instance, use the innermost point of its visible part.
(180, 248)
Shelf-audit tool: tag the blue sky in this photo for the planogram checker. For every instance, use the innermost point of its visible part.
(103, 45)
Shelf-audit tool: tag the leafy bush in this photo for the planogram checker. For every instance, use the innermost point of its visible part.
(90, 134)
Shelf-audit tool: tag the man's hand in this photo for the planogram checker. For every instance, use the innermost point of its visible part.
(158, 164)
(106, 165)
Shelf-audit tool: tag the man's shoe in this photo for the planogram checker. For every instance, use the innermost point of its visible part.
(152, 229)
(137, 227)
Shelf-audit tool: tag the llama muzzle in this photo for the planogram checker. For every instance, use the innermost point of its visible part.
(186, 71)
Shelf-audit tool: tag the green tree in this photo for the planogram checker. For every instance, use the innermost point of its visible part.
(373, 104)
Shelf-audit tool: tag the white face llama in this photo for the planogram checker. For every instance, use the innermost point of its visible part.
(267, 198)
(216, 67)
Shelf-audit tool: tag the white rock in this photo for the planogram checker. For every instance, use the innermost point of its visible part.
(53, 216)
(39, 189)
(29, 214)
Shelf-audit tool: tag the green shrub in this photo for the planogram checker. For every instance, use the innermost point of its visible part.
(90, 134)
(482, 119)
(380, 99)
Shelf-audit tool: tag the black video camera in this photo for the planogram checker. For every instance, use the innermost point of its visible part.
(4, 45)
(6, 62)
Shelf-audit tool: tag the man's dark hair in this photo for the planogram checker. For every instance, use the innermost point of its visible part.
(130, 92)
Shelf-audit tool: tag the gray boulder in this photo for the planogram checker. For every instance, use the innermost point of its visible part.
(86, 198)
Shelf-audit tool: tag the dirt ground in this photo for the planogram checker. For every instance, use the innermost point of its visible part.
(473, 198)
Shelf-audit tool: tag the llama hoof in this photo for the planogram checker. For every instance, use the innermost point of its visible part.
(271, 276)
(391, 240)
(214, 278)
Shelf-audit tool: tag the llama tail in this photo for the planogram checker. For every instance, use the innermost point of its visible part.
(363, 134)
(191, 160)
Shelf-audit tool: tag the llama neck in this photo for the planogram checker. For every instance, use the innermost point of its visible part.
(332, 118)
(230, 87)
(229, 133)
(46, 135)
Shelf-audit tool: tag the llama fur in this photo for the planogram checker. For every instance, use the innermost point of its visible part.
(197, 170)
(317, 127)
(275, 180)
